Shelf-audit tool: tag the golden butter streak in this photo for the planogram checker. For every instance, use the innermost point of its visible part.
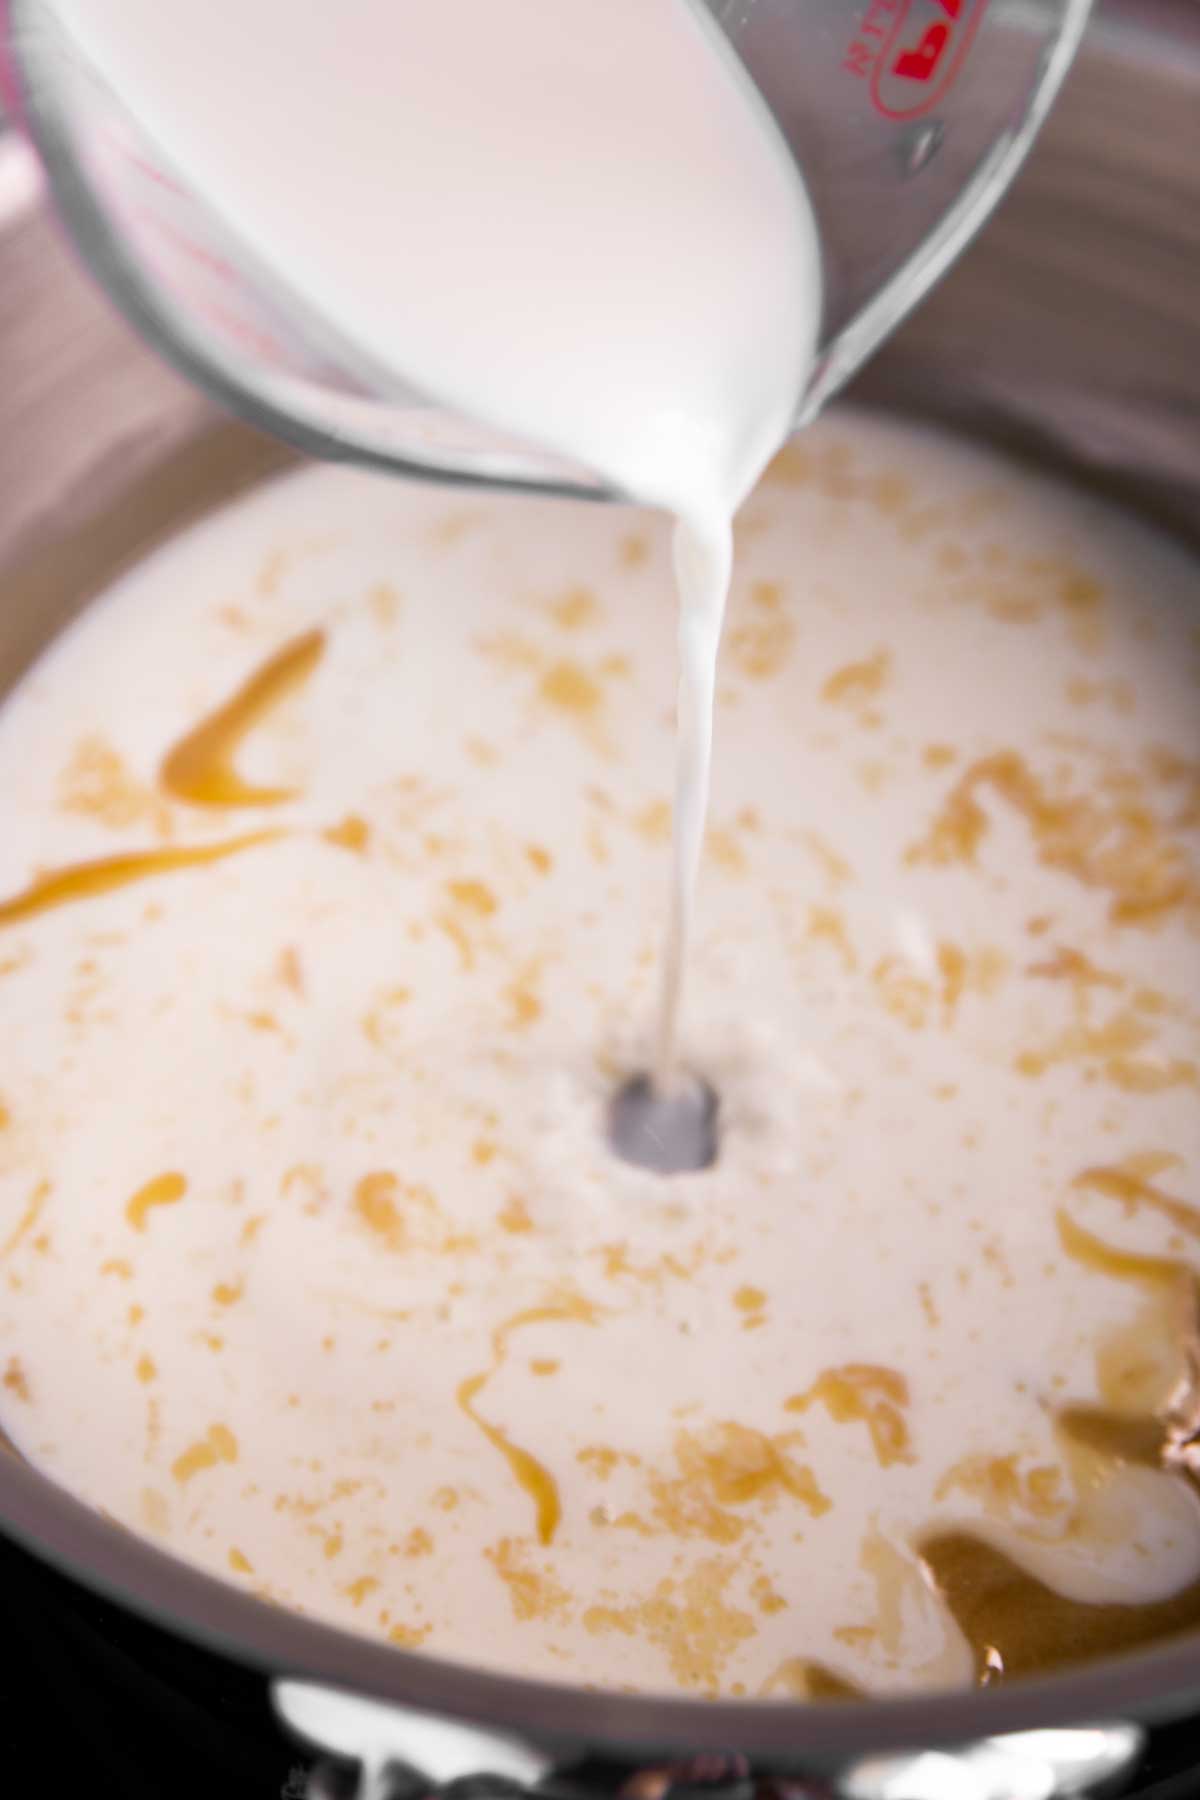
(1016, 1626)
(1122, 1265)
(88, 880)
(200, 768)
(1134, 1192)
(864, 1392)
(571, 1308)
(218, 1446)
(163, 1190)
(800, 1678)
(530, 1474)
(27, 1221)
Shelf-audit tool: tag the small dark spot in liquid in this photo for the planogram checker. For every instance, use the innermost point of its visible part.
(669, 1132)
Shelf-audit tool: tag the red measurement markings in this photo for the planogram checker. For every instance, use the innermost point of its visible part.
(909, 51)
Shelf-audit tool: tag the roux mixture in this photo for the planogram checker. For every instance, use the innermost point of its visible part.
(329, 918)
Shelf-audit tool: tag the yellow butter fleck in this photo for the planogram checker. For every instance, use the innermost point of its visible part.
(218, 1446)
(162, 1190)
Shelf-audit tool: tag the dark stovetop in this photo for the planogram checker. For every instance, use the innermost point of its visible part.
(121, 1710)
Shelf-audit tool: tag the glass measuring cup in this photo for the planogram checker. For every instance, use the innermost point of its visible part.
(908, 118)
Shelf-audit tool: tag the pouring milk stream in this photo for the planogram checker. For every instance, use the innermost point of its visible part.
(576, 223)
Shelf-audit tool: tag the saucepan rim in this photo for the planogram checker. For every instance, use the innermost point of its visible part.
(1158, 1681)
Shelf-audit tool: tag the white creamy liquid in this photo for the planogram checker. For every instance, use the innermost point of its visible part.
(313, 1262)
(573, 220)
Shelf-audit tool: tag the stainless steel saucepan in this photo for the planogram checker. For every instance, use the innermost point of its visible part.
(1070, 333)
